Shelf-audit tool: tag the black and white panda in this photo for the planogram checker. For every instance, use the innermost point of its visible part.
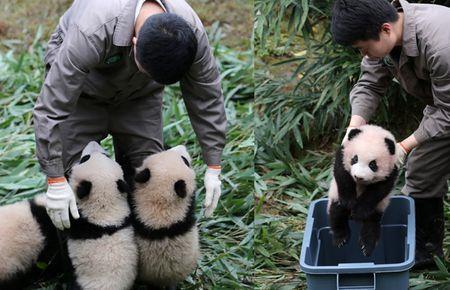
(364, 176)
(29, 244)
(163, 203)
(101, 243)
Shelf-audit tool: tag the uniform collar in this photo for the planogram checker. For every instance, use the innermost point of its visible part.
(409, 43)
(125, 24)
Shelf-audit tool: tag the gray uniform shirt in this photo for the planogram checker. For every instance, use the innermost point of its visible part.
(423, 69)
(91, 52)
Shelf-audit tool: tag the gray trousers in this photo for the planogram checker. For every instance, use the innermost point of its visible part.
(428, 169)
(135, 126)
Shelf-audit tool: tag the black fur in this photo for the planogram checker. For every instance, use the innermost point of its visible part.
(143, 176)
(174, 230)
(345, 184)
(82, 229)
(122, 186)
(84, 188)
(353, 133)
(180, 188)
(85, 158)
(374, 193)
(338, 220)
(186, 161)
(390, 145)
(370, 233)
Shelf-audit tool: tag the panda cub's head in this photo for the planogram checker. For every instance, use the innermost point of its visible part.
(369, 154)
(97, 182)
(164, 188)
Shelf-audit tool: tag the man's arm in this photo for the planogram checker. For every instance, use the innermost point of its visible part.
(371, 86)
(59, 95)
(202, 94)
(436, 118)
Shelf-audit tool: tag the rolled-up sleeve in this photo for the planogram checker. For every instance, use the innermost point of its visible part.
(371, 86)
(202, 94)
(58, 97)
(436, 118)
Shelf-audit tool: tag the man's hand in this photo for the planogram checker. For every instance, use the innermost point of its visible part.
(60, 198)
(213, 191)
(402, 152)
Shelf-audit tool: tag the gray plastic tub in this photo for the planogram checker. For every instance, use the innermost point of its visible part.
(328, 267)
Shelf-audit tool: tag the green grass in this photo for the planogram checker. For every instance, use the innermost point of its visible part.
(227, 237)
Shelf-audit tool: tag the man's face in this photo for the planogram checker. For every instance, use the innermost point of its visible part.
(135, 58)
(378, 48)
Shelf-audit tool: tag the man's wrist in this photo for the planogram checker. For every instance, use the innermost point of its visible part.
(214, 167)
(53, 180)
(356, 121)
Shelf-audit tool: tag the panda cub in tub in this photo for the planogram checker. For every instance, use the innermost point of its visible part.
(101, 243)
(163, 203)
(364, 176)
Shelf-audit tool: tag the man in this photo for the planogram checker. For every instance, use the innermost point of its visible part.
(411, 43)
(106, 67)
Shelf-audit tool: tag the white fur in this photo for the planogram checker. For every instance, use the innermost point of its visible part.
(21, 240)
(368, 145)
(166, 261)
(109, 262)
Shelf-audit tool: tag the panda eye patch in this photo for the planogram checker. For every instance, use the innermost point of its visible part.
(85, 158)
(373, 165)
(354, 160)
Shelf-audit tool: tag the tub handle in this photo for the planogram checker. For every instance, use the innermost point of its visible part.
(356, 281)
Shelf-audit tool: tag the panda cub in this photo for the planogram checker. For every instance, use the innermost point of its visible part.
(27, 239)
(364, 176)
(101, 243)
(162, 205)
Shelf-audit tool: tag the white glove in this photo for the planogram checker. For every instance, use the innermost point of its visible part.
(212, 186)
(401, 155)
(60, 198)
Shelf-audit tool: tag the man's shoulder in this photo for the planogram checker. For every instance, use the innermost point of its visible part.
(432, 26)
(184, 10)
(90, 15)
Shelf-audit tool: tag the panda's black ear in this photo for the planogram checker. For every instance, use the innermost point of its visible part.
(85, 158)
(122, 186)
(180, 188)
(390, 145)
(142, 176)
(186, 161)
(353, 133)
(83, 189)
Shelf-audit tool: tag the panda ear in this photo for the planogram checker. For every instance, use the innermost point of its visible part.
(84, 189)
(353, 133)
(180, 188)
(122, 186)
(390, 145)
(143, 176)
(85, 158)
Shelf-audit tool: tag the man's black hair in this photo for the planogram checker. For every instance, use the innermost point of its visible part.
(166, 47)
(360, 20)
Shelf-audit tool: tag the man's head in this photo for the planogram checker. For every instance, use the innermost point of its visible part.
(368, 25)
(165, 47)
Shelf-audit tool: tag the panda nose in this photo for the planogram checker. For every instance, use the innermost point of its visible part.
(357, 178)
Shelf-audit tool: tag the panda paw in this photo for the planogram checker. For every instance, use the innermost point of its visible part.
(367, 245)
(340, 238)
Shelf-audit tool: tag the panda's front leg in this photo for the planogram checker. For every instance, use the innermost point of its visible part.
(338, 220)
(370, 233)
